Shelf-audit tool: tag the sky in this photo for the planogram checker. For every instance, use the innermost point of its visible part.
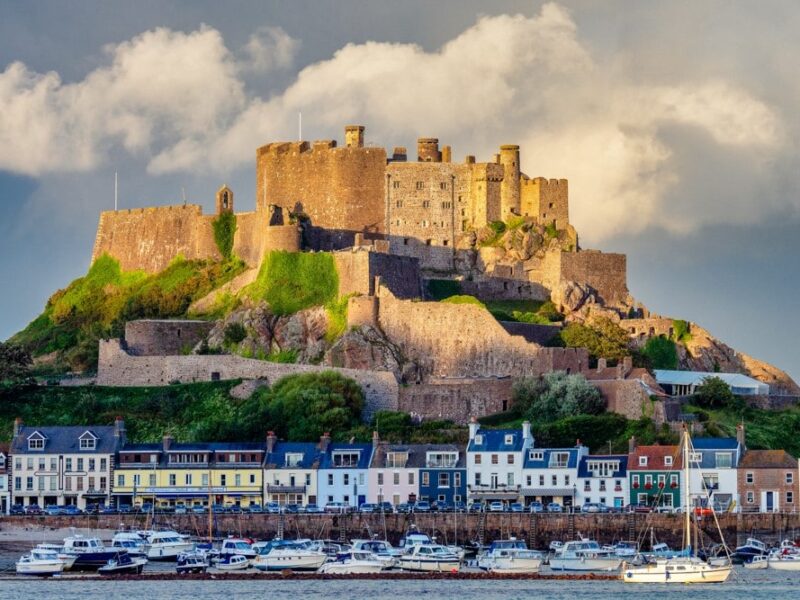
(676, 124)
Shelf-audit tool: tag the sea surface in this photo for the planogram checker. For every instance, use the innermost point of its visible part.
(743, 585)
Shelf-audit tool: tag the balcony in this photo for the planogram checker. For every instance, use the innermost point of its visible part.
(498, 492)
(286, 489)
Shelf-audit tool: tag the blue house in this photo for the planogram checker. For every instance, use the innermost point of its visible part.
(603, 479)
(342, 474)
(713, 476)
(551, 475)
(443, 474)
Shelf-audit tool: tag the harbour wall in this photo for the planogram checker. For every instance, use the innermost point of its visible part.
(538, 530)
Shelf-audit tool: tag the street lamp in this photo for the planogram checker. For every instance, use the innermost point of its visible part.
(574, 496)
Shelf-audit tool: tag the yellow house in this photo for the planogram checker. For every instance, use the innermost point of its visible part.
(192, 474)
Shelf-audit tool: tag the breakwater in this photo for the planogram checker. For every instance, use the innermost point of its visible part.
(538, 530)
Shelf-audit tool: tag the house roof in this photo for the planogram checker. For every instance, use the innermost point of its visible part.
(767, 459)
(417, 454)
(277, 458)
(66, 439)
(365, 455)
(583, 465)
(734, 380)
(655, 458)
(546, 453)
(494, 440)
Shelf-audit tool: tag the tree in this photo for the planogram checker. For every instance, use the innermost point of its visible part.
(661, 352)
(303, 407)
(713, 393)
(602, 338)
(15, 363)
(556, 396)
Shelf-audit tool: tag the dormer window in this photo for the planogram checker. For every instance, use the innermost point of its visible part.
(696, 457)
(642, 461)
(345, 459)
(293, 459)
(509, 439)
(479, 439)
(88, 441)
(667, 461)
(536, 455)
(36, 441)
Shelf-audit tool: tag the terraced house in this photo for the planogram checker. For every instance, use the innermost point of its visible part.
(343, 471)
(654, 474)
(713, 476)
(603, 479)
(290, 471)
(64, 465)
(494, 462)
(551, 474)
(769, 481)
(192, 474)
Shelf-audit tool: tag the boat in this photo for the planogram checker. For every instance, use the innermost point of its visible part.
(352, 563)
(584, 555)
(40, 563)
(292, 556)
(510, 556)
(191, 562)
(166, 545)
(624, 549)
(782, 562)
(680, 569)
(416, 538)
(237, 546)
(662, 550)
(130, 541)
(758, 562)
(69, 559)
(90, 552)
(233, 562)
(123, 564)
(751, 548)
(430, 557)
(380, 549)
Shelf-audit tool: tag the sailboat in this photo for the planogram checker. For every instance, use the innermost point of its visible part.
(687, 568)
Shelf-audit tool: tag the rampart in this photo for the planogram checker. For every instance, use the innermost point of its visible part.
(164, 337)
(358, 267)
(605, 273)
(456, 400)
(116, 367)
(546, 199)
(465, 341)
(641, 329)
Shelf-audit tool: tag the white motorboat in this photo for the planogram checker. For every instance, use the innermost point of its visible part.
(625, 549)
(69, 559)
(292, 557)
(430, 557)
(758, 562)
(233, 562)
(381, 549)
(783, 562)
(191, 562)
(237, 546)
(354, 562)
(681, 569)
(166, 545)
(416, 538)
(584, 555)
(130, 541)
(510, 556)
(41, 563)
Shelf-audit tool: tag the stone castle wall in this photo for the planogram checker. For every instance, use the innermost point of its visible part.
(630, 399)
(458, 400)
(465, 341)
(163, 337)
(606, 273)
(546, 199)
(118, 368)
(641, 329)
(358, 267)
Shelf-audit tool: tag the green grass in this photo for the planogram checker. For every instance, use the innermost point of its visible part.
(524, 311)
(282, 356)
(464, 299)
(439, 289)
(293, 281)
(337, 318)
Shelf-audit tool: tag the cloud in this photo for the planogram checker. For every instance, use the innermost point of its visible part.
(180, 101)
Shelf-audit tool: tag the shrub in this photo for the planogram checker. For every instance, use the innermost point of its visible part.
(234, 334)
(603, 338)
(661, 353)
(713, 393)
(498, 227)
(283, 356)
(555, 396)
(464, 300)
(337, 318)
(680, 331)
(550, 230)
(224, 231)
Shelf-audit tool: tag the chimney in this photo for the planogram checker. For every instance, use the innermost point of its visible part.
(119, 430)
(324, 441)
(428, 150)
(17, 426)
(632, 445)
(399, 154)
(447, 154)
(740, 435)
(578, 443)
(526, 430)
(376, 439)
(166, 442)
(473, 427)
(271, 439)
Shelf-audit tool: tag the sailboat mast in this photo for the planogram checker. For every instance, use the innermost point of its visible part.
(688, 497)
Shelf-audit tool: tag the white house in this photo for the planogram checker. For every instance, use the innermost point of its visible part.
(603, 479)
(494, 462)
(713, 476)
(551, 474)
(290, 472)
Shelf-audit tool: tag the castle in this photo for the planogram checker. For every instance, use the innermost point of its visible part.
(359, 195)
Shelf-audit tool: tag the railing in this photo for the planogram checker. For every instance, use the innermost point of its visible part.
(286, 489)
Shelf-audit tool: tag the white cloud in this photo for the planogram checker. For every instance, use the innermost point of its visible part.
(179, 101)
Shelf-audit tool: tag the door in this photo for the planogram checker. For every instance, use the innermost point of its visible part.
(770, 501)
(361, 499)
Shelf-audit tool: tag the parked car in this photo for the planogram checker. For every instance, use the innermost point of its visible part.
(404, 508)
(124, 509)
(516, 507)
(146, 507)
(17, 509)
(368, 508)
(72, 510)
(255, 509)
(53, 510)
(442, 506)
(33, 509)
(313, 509)
(234, 509)
(555, 507)
(180, 509)
(422, 506)
(535, 507)
(219, 509)
(459, 506)
(291, 509)
(496, 506)
(337, 507)
(477, 507)
(107, 510)
(198, 509)
(594, 507)
(272, 507)
(385, 507)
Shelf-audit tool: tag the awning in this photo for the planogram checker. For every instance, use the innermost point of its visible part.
(494, 494)
(548, 491)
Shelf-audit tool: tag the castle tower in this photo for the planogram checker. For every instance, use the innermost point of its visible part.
(354, 136)
(224, 200)
(509, 189)
(428, 150)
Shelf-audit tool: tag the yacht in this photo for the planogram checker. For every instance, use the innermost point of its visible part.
(782, 561)
(166, 545)
(415, 539)
(624, 549)
(758, 562)
(41, 563)
(90, 552)
(510, 556)
(289, 555)
(238, 546)
(354, 562)
(68, 559)
(680, 569)
(430, 557)
(751, 548)
(584, 555)
(130, 541)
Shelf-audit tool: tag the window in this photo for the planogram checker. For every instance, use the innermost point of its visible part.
(41, 484)
(477, 478)
(789, 477)
(17, 483)
(536, 455)
(204, 479)
(667, 461)
(789, 497)
(648, 480)
(456, 479)
(442, 459)
(79, 481)
(54, 483)
(749, 477)
(509, 439)
(88, 443)
(587, 485)
(447, 205)
(635, 480)
(36, 444)
(511, 459)
(724, 460)
(443, 185)
(411, 478)
(695, 457)
(420, 185)
(396, 459)
(399, 203)
(91, 483)
(602, 485)
(151, 478)
(541, 480)
(330, 478)
(554, 479)
(396, 478)
(237, 479)
(92, 464)
(121, 480)
(187, 479)
(425, 478)
(642, 461)
(41, 464)
(345, 459)
(528, 480)
(673, 481)
(566, 480)
(346, 479)
(223, 480)
(30, 464)
(477, 459)
(380, 478)
(172, 479)
(479, 438)
(18, 464)
(750, 497)
(559, 460)
(67, 484)
(510, 479)
(137, 479)
(444, 480)
(395, 184)
(103, 464)
(495, 459)
(293, 459)
(80, 464)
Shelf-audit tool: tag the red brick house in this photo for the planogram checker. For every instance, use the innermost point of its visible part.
(769, 481)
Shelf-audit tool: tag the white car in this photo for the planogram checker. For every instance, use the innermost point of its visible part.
(496, 507)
